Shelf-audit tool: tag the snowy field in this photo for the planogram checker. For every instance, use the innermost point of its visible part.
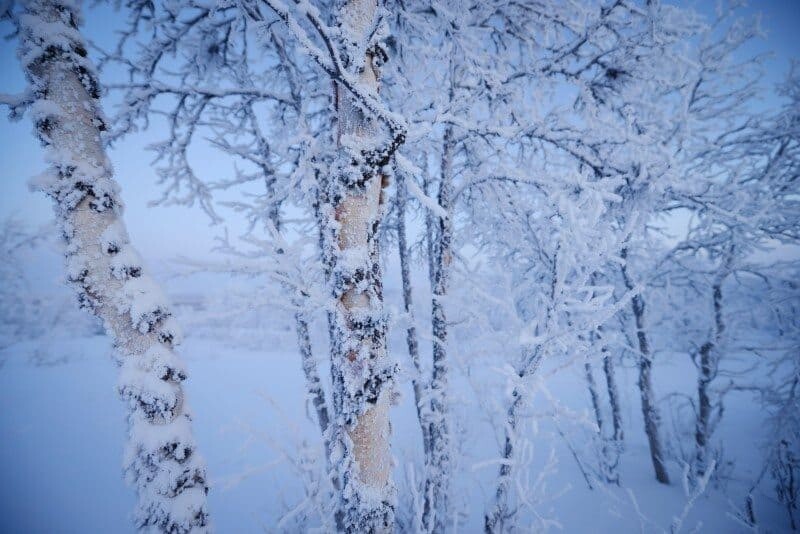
(60, 459)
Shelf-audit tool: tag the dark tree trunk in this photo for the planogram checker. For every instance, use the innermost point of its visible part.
(608, 453)
(708, 370)
(592, 385)
(408, 306)
(649, 409)
(613, 395)
(430, 235)
(314, 388)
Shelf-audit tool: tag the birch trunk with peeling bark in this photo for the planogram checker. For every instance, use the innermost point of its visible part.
(351, 211)
(161, 458)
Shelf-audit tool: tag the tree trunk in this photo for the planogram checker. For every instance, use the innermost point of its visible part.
(592, 385)
(314, 388)
(708, 370)
(430, 235)
(608, 454)
(701, 434)
(611, 388)
(613, 395)
(362, 371)
(438, 475)
(411, 331)
(495, 520)
(161, 458)
(649, 409)
(614, 452)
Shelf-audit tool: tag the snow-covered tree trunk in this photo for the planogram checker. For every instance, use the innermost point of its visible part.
(608, 451)
(645, 360)
(431, 240)
(314, 388)
(438, 469)
(352, 209)
(708, 365)
(613, 395)
(495, 519)
(594, 396)
(161, 458)
(408, 306)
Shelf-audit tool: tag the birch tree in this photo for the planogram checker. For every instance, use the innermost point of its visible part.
(161, 458)
(351, 208)
(362, 369)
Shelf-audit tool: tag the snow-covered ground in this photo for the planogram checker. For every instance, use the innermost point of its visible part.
(62, 430)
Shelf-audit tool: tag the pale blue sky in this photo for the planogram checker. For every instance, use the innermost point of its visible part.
(189, 233)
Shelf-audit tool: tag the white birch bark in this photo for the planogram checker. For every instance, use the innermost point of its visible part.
(160, 458)
(352, 209)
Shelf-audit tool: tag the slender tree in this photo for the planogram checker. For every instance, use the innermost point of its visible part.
(650, 413)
